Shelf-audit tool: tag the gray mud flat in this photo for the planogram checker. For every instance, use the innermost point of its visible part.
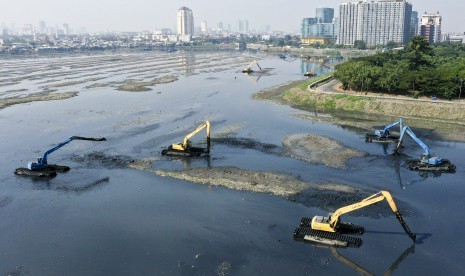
(253, 181)
(45, 96)
(319, 149)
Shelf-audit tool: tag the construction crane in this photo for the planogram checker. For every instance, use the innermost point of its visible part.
(186, 149)
(426, 162)
(330, 230)
(248, 69)
(41, 168)
(384, 135)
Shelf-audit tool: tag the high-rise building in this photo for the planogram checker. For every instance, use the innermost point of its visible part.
(320, 29)
(414, 24)
(430, 27)
(324, 15)
(242, 26)
(42, 27)
(185, 21)
(203, 27)
(375, 23)
(66, 29)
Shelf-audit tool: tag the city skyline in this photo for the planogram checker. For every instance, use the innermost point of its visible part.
(145, 15)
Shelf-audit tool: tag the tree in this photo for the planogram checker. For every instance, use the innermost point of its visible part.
(391, 45)
(360, 45)
(418, 52)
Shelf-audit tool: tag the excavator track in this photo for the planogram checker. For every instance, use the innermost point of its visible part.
(326, 237)
(374, 138)
(36, 173)
(341, 227)
(417, 165)
(191, 152)
(58, 168)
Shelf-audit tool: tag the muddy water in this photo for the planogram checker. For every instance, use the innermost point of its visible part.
(103, 217)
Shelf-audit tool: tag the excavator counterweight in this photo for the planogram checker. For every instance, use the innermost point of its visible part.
(331, 231)
(185, 149)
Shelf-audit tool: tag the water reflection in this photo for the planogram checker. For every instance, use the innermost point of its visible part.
(75, 187)
(363, 271)
(187, 60)
(315, 65)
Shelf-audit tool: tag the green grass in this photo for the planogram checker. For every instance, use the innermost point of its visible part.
(351, 98)
(331, 104)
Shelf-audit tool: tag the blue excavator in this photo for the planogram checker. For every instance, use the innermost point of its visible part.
(384, 135)
(41, 168)
(426, 162)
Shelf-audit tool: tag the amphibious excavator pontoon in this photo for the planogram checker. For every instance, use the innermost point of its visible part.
(41, 168)
(331, 231)
(186, 149)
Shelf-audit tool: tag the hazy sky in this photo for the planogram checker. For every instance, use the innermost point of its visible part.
(138, 15)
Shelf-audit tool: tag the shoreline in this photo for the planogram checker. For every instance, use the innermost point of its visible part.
(434, 118)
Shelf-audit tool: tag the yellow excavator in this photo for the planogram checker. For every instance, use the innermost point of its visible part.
(330, 230)
(185, 148)
(248, 69)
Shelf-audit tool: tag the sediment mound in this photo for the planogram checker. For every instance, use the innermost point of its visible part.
(318, 149)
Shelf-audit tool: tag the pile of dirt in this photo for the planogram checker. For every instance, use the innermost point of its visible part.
(318, 149)
(141, 86)
(253, 181)
(45, 96)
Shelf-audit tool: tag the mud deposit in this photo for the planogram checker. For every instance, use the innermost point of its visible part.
(37, 97)
(319, 150)
(141, 86)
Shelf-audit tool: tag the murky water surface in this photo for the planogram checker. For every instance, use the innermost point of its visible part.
(102, 218)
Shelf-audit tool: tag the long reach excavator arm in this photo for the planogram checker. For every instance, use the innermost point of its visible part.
(331, 223)
(248, 69)
(185, 144)
(407, 130)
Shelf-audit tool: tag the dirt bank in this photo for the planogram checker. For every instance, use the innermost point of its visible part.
(438, 119)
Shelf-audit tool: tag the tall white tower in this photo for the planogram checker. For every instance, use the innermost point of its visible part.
(431, 27)
(185, 22)
(376, 23)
